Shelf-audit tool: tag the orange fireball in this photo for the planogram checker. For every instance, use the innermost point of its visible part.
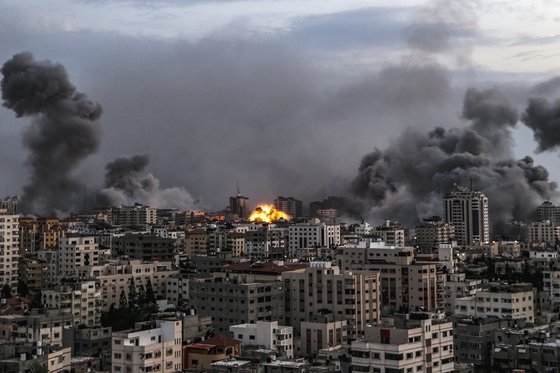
(267, 214)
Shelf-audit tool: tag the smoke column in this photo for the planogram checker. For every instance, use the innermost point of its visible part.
(127, 182)
(62, 134)
(543, 117)
(406, 181)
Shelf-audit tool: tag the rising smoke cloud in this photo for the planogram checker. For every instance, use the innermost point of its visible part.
(128, 182)
(406, 181)
(543, 117)
(62, 134)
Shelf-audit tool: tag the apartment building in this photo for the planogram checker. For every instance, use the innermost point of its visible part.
(350, 296)
(514, 301)
(390, 232)
(406, 284)
(114, 278)
(133, 215)
(230, 301)
(153, 347)
(416, 342)
(9, 249)
(81, 300)
(551, 286)
(432, 232)
(45, 326)
(267, 334)
(266, 241)
(312, 234)
(474, 339)
(544, 232)
(145, 247)
(458, 286)
(72, 255)
(323, 333)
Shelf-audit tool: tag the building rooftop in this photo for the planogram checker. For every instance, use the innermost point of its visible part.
(263, 267)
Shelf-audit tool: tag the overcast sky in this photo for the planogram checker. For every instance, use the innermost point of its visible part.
(284, 97)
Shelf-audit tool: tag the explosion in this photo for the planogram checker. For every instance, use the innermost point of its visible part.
(267, 214)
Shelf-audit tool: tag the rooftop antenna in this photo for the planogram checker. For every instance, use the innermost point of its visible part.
(470, 183)
(238, 190)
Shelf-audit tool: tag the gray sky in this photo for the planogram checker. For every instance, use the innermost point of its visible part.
(284, 97)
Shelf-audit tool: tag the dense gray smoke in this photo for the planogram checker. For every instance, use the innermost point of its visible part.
(543, 117)
(406, 181)
(62, 134)
(127, 182)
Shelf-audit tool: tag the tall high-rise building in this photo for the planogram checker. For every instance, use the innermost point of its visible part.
(9, 249)
(467, 210)
(289, 205)
(238, 206)
(549, 211)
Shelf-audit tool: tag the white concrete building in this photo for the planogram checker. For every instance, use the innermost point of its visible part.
(409, 343)
(73, 254)
(158, 349)
(9, 249)
(458, 286)
(313, 234)
(514, 301)
(268, 334)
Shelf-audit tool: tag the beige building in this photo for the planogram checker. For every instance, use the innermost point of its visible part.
(405, 283)
(82, 301)
(458, 286)
(432, 232)
(60, 360)
(115, 277)
(243, 293)
(9, 249)
(543, 232)
(390, 233)
(196, 241)
(154, 349)
(407, 343)
(134, 215)
(235, 243)
(323, 334)
(46, 327)
(514, 301)
(350, 296)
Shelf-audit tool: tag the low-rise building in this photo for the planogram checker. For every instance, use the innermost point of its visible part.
(268, 334)
(152, 348)
(201, 355)
(514, 301)
(417, 342)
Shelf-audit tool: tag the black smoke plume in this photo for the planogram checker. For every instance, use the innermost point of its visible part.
(543, 117)
(127, 182)
(406, 181)
(62, 134)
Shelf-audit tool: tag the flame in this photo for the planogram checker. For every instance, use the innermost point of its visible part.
(267, 214)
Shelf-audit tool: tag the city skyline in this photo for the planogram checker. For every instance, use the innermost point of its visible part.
(278, 130)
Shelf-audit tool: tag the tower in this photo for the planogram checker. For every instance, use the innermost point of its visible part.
(238, 205)
(467, 210)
